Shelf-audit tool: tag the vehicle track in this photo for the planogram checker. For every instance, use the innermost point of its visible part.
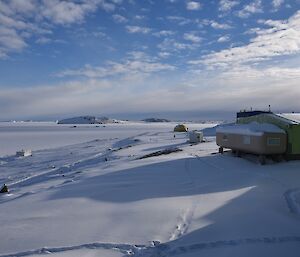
(162, 250)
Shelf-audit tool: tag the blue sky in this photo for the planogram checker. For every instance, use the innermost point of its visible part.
(60, 58)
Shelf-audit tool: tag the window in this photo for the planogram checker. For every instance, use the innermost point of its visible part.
(273, 141)
(246, 140)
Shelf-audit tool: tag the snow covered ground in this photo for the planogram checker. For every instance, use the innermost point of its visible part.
(85, 192)
(45, 135)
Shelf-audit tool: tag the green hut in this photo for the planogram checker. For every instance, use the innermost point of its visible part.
(283, 121)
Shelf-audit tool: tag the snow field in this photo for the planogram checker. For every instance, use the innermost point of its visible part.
(96, 198)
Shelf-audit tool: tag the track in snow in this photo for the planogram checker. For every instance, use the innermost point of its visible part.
(161, 250)
(68, 169)
(290, 197)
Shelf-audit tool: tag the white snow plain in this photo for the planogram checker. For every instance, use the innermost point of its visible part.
(85, 192)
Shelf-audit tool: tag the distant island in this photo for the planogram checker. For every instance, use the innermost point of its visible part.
(155, 120)
(87, 120)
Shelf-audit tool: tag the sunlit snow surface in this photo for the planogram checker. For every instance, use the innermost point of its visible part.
(85, 193)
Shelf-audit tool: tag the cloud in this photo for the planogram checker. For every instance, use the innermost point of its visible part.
(63, 12)
(164, 54)
(214, 24)
(277, 3)
(43, 40)
(227, 5)
(137, 63)
(171, 45)
(223, 39)
(23, 19)
(217, 25)
(140, 17)
(119, 18)
(138, 29)
(249, 9)
(282, 38)
(191, 36)
(57, 99)
(10, 41)
(20, 6)
(179, 19)
(243, 86)
(163, 33)
(193, 6)
(232, 90)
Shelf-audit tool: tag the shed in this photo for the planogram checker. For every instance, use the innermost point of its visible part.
(23, 153)
(195, 136)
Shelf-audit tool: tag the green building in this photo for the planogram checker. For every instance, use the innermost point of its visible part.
(288, 123)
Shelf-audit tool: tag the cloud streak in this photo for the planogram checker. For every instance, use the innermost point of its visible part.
(282, 38)
(137, 64)
(138, 29)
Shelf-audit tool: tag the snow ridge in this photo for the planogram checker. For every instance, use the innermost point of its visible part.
(123, 248)
(291, 199)
(161, 250)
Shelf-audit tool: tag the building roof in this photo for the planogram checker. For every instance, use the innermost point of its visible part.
(294, 117)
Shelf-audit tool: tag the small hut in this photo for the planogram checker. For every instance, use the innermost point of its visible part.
(181, 128)
(23, 153)
(195, 137)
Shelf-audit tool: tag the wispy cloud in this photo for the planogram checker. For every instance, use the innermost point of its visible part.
(172, 45)
(227, 91)
(119, 18)
(164, 33)
(214, 24)
(192, 36)
(164, 54)
(138, 29)
(217, 25)
(63, 12)
(249, 9)
(280, 39)
(179, 19)
(227, 5)
(22, 19)
(222, 39)
(10, 41)
(136, 63)
(277, 4)
(193, 6)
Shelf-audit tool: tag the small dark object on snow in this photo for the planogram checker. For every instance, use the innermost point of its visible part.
(4, 189)
(161, 152)
(105, 159)
(155, 243)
